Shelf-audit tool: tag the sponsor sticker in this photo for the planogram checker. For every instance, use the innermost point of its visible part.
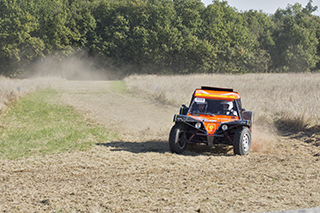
(200, 100)
(211, 127)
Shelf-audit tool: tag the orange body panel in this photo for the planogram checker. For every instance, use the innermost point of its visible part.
(222, 95)
(212, 122)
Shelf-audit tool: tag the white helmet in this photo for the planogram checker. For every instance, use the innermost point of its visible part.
(229, 103)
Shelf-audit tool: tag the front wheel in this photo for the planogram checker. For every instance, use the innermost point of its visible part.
(177, 140)
(242, 141)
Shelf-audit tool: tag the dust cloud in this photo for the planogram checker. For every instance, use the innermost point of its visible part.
(264, 139)
(77, 66)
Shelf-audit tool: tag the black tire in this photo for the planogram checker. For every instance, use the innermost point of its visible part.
(242, 141)
(177, 140)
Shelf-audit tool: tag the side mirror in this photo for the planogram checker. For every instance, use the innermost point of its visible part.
(183, 110)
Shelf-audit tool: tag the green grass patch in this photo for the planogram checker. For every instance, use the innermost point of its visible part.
(119, 87)
(39, 124)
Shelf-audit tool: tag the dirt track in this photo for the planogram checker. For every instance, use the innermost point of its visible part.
(139, 174)
(134, 119)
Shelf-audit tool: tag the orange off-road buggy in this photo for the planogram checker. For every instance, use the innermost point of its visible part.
(214, 116)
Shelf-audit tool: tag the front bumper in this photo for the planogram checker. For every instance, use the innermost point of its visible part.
(210, 132)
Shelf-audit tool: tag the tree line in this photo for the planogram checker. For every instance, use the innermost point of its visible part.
(159, 36)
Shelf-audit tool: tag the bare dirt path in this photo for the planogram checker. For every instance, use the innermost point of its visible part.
(138, 173)
(133, 118)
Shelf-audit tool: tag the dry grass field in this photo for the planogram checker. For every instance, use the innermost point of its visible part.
(269, 96)
(11, 89)
(280, 102)
(137, 173)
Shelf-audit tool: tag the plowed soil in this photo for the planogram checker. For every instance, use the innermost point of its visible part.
(137, 173)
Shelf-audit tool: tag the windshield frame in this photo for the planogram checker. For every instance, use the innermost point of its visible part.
(213, 107)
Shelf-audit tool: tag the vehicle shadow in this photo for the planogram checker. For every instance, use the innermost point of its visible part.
(218, 150)
(163, 147)
(137, 147)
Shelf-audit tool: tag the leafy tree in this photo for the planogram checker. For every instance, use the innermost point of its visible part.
(316, 20)
(189, 15)
(295, 39)
(160, 36)
(261, 30)
(112, 30)
(81, 22)
(223, 28)
(53, 18)
(17, 43)
(139, 33)
(195, 55)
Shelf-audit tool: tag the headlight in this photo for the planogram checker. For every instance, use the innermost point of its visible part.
(224, 127)
(198, 125)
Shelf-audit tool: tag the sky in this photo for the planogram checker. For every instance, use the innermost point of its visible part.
(267, 6)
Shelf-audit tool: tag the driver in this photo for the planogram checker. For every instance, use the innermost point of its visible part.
(227, 108)
(201, 107)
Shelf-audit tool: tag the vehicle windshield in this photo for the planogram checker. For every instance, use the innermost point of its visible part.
(213, 107)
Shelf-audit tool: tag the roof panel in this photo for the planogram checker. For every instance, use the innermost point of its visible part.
(216, 94)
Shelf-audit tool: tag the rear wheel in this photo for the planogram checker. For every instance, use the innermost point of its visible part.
(177, 141)
(242, 141)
